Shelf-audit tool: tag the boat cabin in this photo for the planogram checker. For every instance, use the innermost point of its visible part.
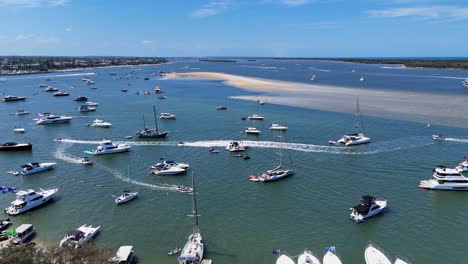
(124, 255)
(23, 232)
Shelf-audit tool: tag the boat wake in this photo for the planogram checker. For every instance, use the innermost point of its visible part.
(461, 140)
(60, 154)
(373, 148)
(48, 75)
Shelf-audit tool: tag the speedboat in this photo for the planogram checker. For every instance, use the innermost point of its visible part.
(272, 175)
(375, 256)
(85, 108)
(167, 116)
(27, 200)
(53, 119)
(313, 78)
(330, 257)
(278, 127)
(354, 139)
(362, 79)
(101, 123)
(465, 83)
(21, 112)
(50, 89)
(23, 233)
(463, 167)
(61, 93)
(107, 147)
(174, 251)
(368, 207)
(5, 223)
(91, 103)
(125, 197)
(124, 90)
(438, 137)
(79, 236)
(235, 146)
(184, 189)
(168, 169)
(446, 179)
(86, 161)
(222, 107)
(81, 99)
(35, 167)
(19, 130)
(256, 117)
(124, 255)
(252, 131)
(307, 258)
(170, 163)
(11, 98)
(13, 146)
(284, 259)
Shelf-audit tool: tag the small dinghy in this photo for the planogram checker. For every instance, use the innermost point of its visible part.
(307, 258)
(126, 197)
(330, 257)
(375, 256)
(253, 178)
(15, 173)
(184, 189)
(174, 251)
(19, 130)
(86, 161)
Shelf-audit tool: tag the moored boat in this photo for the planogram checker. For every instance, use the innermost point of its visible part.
(53, 119)
(79, 236)
(107, 147)
(284, 259)
(445, 179)
(101, 123)
(368, 207)
(124, 255)
(256, 117)
(13, 146)
(358, 137)
(307, 258)
(35, 167)
(126, 196)
(330, 257)
(29, 199)
(151, 132)
(374, 255)
(11, 98)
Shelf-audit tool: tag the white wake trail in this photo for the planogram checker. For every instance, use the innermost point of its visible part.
(461, 140)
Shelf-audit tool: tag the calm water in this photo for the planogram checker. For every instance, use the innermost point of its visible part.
(241, 221)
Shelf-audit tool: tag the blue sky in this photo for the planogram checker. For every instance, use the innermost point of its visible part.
(307, 28)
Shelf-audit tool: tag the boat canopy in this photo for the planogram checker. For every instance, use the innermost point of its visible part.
(367, 199)
(75, 234)
(361, 208)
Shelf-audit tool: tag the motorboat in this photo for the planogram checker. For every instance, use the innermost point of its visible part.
(213, 150)
(101, 123)
(11, 98)
(252, 131)
(18, 129)
(61, 93)
(4, 223)
(362, 79)
(463, 166)
(445, 179)
(438, 137)
(86, 161)
(235, 146)
(330, 257)
(23, 233)
(29, 199)
(107, 147)
(465, 83)
(157, 90)
(284, 259)
(307, 258)
(184, 189)
(174, 251)
(21, 112)
(168, 169)
(85, 108)
(126, 196)
(261, 102)
(358, 137)
(167, 116)
(124, 90)
(256, 117)
(13, 146)
(89, 103)
(42, 85)
(50, 89)
(81, 99)
(35, 167)
(124, 255)
(368, 207)
(165, 162)
(151, 132)
(192, 253)
(222, 107)
(53, 119)
(313, 78)
(79, 236)
(278, 127)
(399, 260)
(374, 255)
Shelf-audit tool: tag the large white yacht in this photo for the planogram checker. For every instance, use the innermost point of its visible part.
(168, 168)
(307, 258)
(107, 147)
(278, 127)
(53, 119)
(252, 131)
(256, 117)
(27, 200)
(368, 207)
(374, 255)
(445, 179)
(35, 167)
(357, 138)
(235, 146)
(101, 123)
(79, 236)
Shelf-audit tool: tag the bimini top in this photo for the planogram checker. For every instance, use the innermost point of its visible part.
(361, 208)
(367, 199)
(75, 234)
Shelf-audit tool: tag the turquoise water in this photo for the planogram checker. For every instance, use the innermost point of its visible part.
(241, 221)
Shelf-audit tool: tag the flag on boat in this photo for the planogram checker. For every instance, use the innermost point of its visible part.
(330, 249)
(11, 233)
(276, 252)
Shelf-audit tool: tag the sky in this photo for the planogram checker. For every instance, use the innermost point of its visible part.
(289, 28)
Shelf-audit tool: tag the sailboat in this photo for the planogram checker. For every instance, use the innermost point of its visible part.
(194, 248)
(274, 174)
(151, 133)
(358, 137)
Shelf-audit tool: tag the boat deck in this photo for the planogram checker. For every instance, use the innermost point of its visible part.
(207, 261)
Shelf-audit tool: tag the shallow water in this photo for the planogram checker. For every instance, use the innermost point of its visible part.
(241, 221)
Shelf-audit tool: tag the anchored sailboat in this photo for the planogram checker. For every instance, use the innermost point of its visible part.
(358, 137)
(153, 132)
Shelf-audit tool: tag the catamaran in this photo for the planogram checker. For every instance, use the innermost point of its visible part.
(358, 137)
(151, 133)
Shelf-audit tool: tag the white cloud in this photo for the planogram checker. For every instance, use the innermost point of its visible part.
(295, 2)
(146, 42)
(32, 3)
(68, 29)
(438, 13)
(30, 39)
(211, 9)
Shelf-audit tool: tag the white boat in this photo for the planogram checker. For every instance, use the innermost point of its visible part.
(252, 131)
(165, 162)
(465, 83)
(168, 169)
(373, 255)
(167, 116)
(124, 255)
(463, 166)
(126, 197)
(184, 189)
(307, 258)
(86, 161)
(35, 167)
(107, 147)
(362, 79)
(53, 119)
(27, 200)
(91, 103)
(368, 207)
(21, 112)
(256, 117)
(85, 108)
(79, 236)
(23, 233)
(401, 261)
(438, 137)
(192, 253)
(235, 146)
(284, 259)
(313, 78)
(50, 89)
(330, 257)
(19, 130)
(357, 138)
(446, 179)
(61, 93)
(278, 127)
(101, 123)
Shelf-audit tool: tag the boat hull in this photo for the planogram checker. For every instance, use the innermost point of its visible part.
(111, 151)
(19, 147)
(44, 167)
(375, 256)
(435, 185)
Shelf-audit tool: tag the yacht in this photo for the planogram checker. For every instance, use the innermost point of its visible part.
(235, 146)
(11, 98)
(124, 255)
(89, 103)
(170, 163)
(53, 119)
(153, 132)
(85, 108)
(107, 147)
(81, 99)
(284, 259)
(330, 257)
(445, 179)
(61, 93)
(23, 233)
(21, 112)
(79, 236)
(27, 200)
(252, 131)
(192, 253)
(167, 116)
(463, 166)
(18, 129)
(13, 146)
(256, 117)
(35, 167)
(307, 258)
(126, 196)
(465, 83)
(373, 255)
(368, 207)
(278, 127)
(168, 169)
(357, 138)
(101, 123)
(50, 89)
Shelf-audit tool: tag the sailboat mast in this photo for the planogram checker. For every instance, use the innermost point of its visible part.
(194, 209)
(144, 122)
(359, 116)
(155, 119)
